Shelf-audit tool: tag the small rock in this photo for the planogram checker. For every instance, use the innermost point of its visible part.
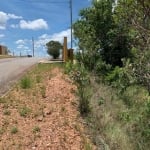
(48, 145)
(40, 118)
(66, 96)
(47, 112)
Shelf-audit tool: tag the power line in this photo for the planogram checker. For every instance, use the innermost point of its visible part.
(55, 2)
(33, 45)
(71, 21)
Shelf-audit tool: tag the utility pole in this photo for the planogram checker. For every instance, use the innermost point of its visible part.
(71, 20)
(33, 46)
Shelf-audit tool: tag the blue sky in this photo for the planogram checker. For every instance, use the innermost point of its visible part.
(45, 20)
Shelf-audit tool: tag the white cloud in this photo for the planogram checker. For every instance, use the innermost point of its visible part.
(14, 25)
(5, 17)
(23, 44)
(60, 36)
(12, 16)
(34, 25)
(23, 47)
(2, 35)
(20, 41)
(44, 36)
(43, 39)
(20, 46)
(56, 36)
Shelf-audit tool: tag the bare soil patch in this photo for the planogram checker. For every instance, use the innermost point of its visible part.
(44, 117)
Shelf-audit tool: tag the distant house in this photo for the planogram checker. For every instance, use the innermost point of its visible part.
(3, 50)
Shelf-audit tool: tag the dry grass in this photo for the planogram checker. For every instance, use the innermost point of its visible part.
(42, 116)
(107, 132)
(113, 123)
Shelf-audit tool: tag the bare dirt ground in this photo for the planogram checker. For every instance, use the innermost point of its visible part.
(44, 118)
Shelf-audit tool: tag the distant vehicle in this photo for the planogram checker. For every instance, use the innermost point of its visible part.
(29, 55)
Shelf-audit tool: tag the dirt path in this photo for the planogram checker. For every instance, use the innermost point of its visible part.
(53, 124)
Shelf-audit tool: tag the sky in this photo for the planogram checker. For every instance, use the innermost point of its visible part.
(40, 20)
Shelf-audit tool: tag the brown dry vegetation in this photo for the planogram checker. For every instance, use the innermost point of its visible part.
(43, 116)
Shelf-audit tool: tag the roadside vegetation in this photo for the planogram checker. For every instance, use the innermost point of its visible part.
(112, 85)
(112, 72)
(40, 112)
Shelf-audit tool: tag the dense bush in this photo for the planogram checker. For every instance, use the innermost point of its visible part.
(141, 70)
(101, 68)
(143, 126)
(113, 37)
(119, 78)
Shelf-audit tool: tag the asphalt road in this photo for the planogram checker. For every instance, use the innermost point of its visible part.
(11, 69)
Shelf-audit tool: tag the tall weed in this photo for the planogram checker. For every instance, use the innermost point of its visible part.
(79, 75)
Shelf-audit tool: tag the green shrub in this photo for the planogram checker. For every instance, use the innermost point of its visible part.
(86, 60)
(81, 78)
(119, 78)
(24, 111)
(43, 91)
(101, 68)
(68, 67)
(14, 130)
(7, 112)
(140, 69)
(38, 78)
(2, 100)
(147, 106)
(36, 129)
(2, 130)
(140, 123)
(125, 116)
(101, 101)
(84, 103)
(25, 83)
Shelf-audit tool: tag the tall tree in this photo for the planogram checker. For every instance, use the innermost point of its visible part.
(99, 36)
(134, 16)
(53, 48)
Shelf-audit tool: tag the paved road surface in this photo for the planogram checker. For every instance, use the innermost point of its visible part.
(12, 68)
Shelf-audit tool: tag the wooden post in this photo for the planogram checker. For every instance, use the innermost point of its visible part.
(65, 52)
(70, 54)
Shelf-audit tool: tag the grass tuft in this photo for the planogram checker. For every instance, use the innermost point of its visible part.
(36, 129)
(7, 112)
(25, 83)
(43, 91)
(14, 130)
(24, 111)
